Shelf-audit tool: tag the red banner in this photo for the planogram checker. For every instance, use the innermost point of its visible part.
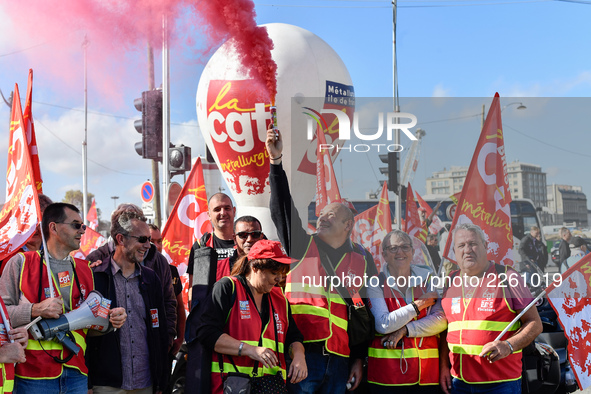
(90, 241)
(237, 116)
(571, 299)
(327, 189)
(436, 224)
(30, 133)
(20, 214)
(188, 221)
(486, 196)
(412, 222)
(92, 216)
(372, 226)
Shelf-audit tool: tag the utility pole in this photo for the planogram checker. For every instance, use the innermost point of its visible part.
(396, 109)
(155, 175)
(85, 44)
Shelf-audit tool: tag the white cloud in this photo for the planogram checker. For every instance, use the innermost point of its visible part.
(440, 91)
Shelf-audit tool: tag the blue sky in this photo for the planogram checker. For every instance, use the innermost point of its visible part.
(445, 49)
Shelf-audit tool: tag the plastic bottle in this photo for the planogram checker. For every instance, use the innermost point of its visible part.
(569, 376)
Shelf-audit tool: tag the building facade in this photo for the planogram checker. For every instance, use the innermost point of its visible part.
(567, 205)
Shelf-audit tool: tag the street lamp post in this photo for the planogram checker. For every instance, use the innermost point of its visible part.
(115, 198)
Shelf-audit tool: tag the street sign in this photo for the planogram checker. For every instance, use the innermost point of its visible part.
(147, 191)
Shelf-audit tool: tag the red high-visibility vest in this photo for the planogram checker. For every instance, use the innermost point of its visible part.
(40, 364)
(322, 314)
(475, 321)
(417, 364)
(245, 325)
(6, 370)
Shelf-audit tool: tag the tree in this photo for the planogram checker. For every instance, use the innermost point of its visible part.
(75, 197)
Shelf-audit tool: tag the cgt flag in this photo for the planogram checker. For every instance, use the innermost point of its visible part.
(413, 226)
(571, 299)
(436, 223)
(30, 133)
(90, 241)
(327, 190)
(92, 216)
(20, 215)
(188, 221)
(371, 227)
(486, 196)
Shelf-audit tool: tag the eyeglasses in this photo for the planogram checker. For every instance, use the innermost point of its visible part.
(245, 234)
(141, 239)
(393, 249)
(74, 225)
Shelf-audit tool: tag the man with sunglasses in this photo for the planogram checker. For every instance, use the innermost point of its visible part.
(133, 358)
(247, 232)
(26, 291)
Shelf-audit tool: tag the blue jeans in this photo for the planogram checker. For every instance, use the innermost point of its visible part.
(71, 381)
(326, 375)
(461, 387)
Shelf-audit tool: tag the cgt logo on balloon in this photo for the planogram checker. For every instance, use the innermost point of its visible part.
(237, 117)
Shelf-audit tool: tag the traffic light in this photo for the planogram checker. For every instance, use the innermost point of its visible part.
(392, 170)
(150, 125)
(179, 159)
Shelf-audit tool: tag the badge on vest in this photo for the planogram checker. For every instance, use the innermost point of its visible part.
(64, 278)
(47, 292)
(155, 321)
(244, 309)
(3, 335)
(455, 305)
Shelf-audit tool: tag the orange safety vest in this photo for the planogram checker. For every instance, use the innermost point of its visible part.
(418, 363)
(245, 324)
(40, 363)
(6, 370)
(475, 321)
(322, 314)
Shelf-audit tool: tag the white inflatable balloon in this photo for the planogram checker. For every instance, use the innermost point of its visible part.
(233, 113)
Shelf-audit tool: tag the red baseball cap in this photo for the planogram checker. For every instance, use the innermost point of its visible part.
(267, 249)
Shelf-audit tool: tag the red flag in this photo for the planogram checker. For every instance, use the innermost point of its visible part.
(486, 196)
(413, 226)
(188, 221)
(20, 214)
(570, 297)
(30, 132)
(436, 224)
(372, 226)
(90, 241)
(327, 190)
(92, 216)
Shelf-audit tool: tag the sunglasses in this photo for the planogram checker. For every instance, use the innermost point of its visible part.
(394, 249)
(245, 234)
(74, 225)
(141, 239)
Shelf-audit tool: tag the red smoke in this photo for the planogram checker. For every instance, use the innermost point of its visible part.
(237, 19)
(117, 27)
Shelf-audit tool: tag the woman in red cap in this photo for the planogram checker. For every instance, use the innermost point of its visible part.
(237, 323)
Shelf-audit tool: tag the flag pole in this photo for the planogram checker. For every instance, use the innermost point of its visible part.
(542, 294)
(45, 254)
(6, 323)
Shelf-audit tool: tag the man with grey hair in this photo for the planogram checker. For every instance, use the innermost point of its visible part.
(483, 298)
(152, 259)
(135, 357)
(408, 314)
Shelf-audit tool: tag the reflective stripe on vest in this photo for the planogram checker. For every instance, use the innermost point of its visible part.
(40, 363)
(476, 322)
(7, 378)
(322, 315)
(418, 364)
(244, 324)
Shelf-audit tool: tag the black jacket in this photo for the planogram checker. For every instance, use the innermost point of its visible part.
(103, 353)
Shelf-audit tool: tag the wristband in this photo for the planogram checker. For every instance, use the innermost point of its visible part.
(416, 307)
(510, 346)
(276, 158)
(240, 349)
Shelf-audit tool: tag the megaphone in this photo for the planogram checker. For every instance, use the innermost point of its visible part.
(93, 313)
